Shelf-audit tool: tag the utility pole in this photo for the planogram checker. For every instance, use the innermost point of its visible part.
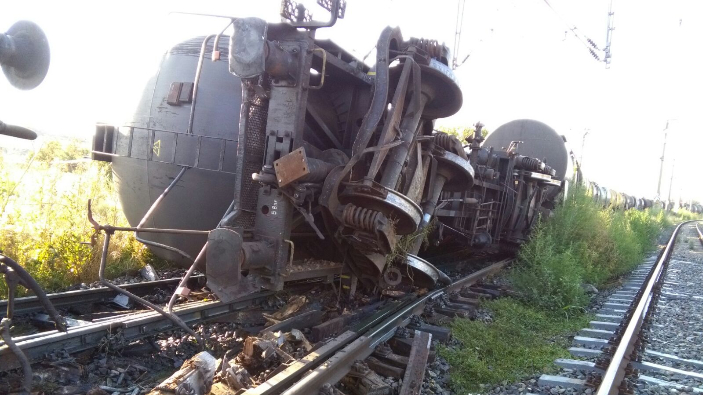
(661, 168)
(671, 182)
(583, 143)
(609, 36)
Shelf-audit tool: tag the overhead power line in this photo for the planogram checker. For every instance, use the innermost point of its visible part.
(457, 36)
(457, 33)
(587, 42)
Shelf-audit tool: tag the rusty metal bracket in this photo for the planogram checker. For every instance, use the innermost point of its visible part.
(292, 167)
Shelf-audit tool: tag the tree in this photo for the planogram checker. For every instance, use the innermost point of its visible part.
(75, 151)
(68, 157)
(462, 132)
(48, 152)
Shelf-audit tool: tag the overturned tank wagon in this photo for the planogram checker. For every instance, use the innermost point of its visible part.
(287, 158)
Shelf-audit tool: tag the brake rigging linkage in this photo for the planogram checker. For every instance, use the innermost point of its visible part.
(110, 230)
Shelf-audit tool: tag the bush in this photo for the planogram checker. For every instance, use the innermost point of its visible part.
(555, 281)
(67, 156)
(44, 226)
(685, 215)
(582, 243)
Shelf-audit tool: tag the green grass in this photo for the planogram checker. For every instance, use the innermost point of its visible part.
(581, 243)
(520, 341)
(685, 215)
(43, 218)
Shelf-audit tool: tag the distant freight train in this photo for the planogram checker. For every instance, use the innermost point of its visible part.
(621, 201)
(302, 161)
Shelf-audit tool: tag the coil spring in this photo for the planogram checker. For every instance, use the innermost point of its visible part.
(549, 170)
(444, 140)
(360, 218)
(432, 47)
(531, 164)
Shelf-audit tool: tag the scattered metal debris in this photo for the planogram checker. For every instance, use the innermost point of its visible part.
(194, 378)
(149, 273)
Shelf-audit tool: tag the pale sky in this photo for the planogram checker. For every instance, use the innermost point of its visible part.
(522, 65)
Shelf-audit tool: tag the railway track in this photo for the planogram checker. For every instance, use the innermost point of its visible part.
(374, 344)
(613, 344)
(32, 304)
(613, 348)
(348, 357)
(325, 366)
(123, 328)
(361, 344)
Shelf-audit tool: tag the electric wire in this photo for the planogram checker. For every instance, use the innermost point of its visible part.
(461, 6)
(589, 44)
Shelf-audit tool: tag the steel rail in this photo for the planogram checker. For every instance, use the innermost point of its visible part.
(700, 234)
(129, 326)
(615, 373)
(16, 275)
(356, 344)
(32, 304)
(123, 328)
(138, 325)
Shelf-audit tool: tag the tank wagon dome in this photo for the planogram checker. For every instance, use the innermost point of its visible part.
(539, 141)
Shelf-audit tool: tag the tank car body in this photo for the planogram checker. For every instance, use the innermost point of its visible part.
(510, 190)
(594, 191)
(151, 149)
(610, 198)
(647, 203)
(605, 196)
(616, 200)
(302, 162)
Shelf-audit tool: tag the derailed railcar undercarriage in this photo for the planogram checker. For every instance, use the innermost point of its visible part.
(337, 165)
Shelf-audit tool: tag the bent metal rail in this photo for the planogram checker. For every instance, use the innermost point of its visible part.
(613, 377)
(140, 325)
(333, 361)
